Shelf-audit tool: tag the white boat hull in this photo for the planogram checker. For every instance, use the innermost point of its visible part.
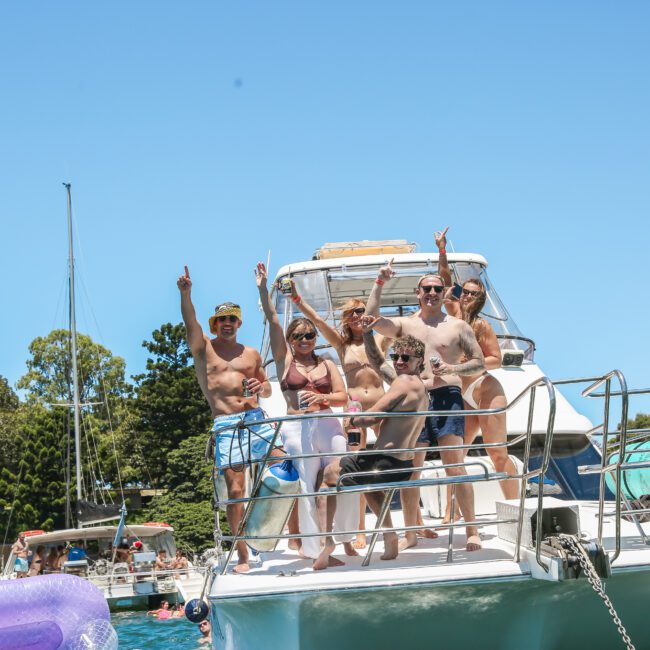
(513, 613)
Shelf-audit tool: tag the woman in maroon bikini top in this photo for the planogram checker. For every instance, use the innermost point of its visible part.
(295, 380)
(295, 359)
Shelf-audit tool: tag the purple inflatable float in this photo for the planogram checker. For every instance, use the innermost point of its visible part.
(54, 612)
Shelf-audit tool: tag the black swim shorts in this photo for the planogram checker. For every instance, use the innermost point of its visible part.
(445, 398)
(374, 463)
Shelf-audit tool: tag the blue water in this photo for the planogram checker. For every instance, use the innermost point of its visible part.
(137, 631)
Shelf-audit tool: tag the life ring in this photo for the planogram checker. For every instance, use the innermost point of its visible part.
(31, 533)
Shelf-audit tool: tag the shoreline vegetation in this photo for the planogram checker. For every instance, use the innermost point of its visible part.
(155, 425)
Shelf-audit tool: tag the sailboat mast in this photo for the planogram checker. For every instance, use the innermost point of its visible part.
(73, 336)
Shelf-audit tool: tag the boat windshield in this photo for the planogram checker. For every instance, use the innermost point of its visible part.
(327, 289)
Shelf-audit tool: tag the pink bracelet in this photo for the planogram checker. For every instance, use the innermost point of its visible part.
(296, 299)
(380, 282)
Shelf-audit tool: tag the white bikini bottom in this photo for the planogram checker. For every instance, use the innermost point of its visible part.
(468, 393)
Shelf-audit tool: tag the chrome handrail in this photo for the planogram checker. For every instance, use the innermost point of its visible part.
(527, 474)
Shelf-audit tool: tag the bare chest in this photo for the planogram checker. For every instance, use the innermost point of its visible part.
(441, 339)
(218, 364)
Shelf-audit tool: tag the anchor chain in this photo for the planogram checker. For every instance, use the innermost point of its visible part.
(597, 585)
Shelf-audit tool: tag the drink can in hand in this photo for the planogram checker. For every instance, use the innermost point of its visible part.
(285, 286)
(303, 405)
(247, 391)
(435, 361)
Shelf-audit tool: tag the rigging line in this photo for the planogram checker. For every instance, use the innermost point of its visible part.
(91, 471)
(103, 382)
(62, 290)
(110, 425)
(88, 420)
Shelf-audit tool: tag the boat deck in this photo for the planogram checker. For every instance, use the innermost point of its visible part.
(284, 571)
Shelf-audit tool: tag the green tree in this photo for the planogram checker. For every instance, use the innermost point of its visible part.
(641, 421)
(49, 371)
(43, 450)
(187, 504)
(35, 486)
(8, 399)
(172, 430)
(169, 406)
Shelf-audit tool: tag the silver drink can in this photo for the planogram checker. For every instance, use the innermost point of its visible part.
(247, 390)
(434, 361)
(285, 286)
(302, 404)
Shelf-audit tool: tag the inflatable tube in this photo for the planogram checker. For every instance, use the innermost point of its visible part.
(269, 517)
(634, 482)
(54, 612)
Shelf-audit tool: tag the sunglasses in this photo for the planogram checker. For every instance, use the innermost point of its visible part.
(467, 292)
(359, 311)
(404, 357)
(308, 336)
(436, 287)
(223, 319)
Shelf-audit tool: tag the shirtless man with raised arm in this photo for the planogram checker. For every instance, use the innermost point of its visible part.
(450, 340)
(406, 393)
(221, 365)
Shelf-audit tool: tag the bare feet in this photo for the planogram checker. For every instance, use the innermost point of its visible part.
(295, 544)
(242, 567)
(427, 533)
(333, 561)
(474, 543)
(322, 561)
(349, 547)
(391, 547)
(410, 540)
(360, 542)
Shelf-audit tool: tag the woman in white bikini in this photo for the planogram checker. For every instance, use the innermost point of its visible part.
(480, 391)
(364, 383)
(311, 384)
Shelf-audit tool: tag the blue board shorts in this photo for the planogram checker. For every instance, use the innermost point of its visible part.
(21, 565)
(243, 441)
(445, 398)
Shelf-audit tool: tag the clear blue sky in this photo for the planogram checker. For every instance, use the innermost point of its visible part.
(205, 133)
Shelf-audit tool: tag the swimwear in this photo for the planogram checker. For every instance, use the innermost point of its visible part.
(164, 614)
(318, 436)
(243, 441)
(445, 398)
(374, 463)
(468, 395)
(21, 565)
(295, 380)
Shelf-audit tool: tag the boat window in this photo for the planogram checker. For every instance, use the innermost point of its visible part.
(327, 290)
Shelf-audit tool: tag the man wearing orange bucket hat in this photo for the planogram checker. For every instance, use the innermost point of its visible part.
(231, 377)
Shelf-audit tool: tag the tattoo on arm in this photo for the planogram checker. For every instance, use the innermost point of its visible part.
(469, 345)
(376, 358)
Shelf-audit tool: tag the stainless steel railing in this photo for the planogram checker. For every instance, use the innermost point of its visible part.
(526, 474)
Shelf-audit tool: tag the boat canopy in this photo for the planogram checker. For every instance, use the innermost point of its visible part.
(326, 284)
(99, 532)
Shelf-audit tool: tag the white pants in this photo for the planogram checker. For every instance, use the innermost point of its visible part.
(311, 437)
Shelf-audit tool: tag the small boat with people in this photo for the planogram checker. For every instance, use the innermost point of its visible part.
(447, 493)
(134, 566)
